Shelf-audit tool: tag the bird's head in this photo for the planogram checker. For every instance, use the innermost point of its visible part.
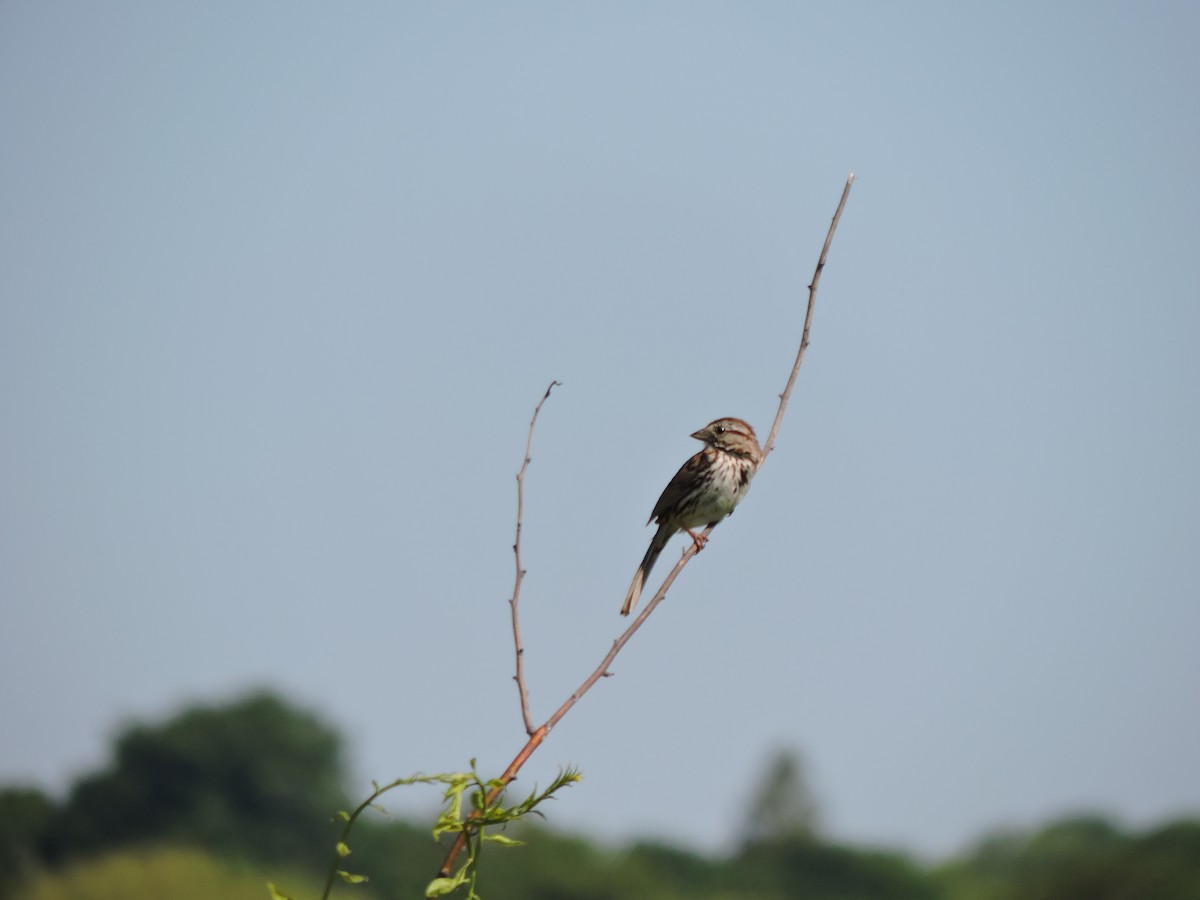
(731, 435)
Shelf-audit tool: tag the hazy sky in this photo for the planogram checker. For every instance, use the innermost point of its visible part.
(280, 284)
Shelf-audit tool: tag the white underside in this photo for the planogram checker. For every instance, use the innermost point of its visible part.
(720, 503)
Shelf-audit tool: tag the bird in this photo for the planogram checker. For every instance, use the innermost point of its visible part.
(703, 492)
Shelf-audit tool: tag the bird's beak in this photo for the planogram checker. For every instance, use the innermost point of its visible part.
(700, 435)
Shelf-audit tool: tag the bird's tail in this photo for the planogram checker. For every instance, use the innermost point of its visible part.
(657, 545)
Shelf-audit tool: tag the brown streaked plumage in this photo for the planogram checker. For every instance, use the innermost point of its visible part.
(703, 492)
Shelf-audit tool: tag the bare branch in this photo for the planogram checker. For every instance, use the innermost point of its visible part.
(812, 297)
(522, 690)
(602, 670)
(537, 736)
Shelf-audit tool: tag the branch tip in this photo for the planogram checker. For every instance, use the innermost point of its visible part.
(808, 316)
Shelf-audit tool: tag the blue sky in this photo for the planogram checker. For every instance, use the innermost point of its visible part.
(281, 283)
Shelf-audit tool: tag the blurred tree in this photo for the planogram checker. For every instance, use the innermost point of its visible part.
(1086, 857)
(176, 873)
(681, 872)
(782, 806)
(1169, 858)
(986, 872)
(260, 778)
(25, 817)
(256, 777)
(1072, 837)
(1089, 857)
(784, 856)
(813, 868)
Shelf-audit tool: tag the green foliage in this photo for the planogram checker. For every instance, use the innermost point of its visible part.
(783, 855)
(688, 872)
(1083, 856)
(349, 819)
(804, 867)
(163, 872)
(26, 815)
(1162, 864)
(257, 780)
(553, 865)
(487, 812)
(399, 857)
(253, 778)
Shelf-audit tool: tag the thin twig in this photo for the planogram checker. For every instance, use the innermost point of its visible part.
(522, 690)
(602, 670)
(812, 296)
(538, 735)
(541, 732)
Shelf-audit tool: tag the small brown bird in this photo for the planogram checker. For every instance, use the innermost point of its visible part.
(703, 492)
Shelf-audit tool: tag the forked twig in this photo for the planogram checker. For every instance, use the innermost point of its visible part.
(519, 677)
(538, 735)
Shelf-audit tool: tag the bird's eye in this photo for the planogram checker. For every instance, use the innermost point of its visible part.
(720, 429)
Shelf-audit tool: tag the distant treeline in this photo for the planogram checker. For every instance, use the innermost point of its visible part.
(219, 799)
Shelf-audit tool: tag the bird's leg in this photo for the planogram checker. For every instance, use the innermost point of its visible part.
(698, 539)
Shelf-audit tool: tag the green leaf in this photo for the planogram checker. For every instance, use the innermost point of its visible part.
(503, 841)
(456, 785)
(449, 820)
(342, 850)
(350, 878)
(439, 887)
(277, 894)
